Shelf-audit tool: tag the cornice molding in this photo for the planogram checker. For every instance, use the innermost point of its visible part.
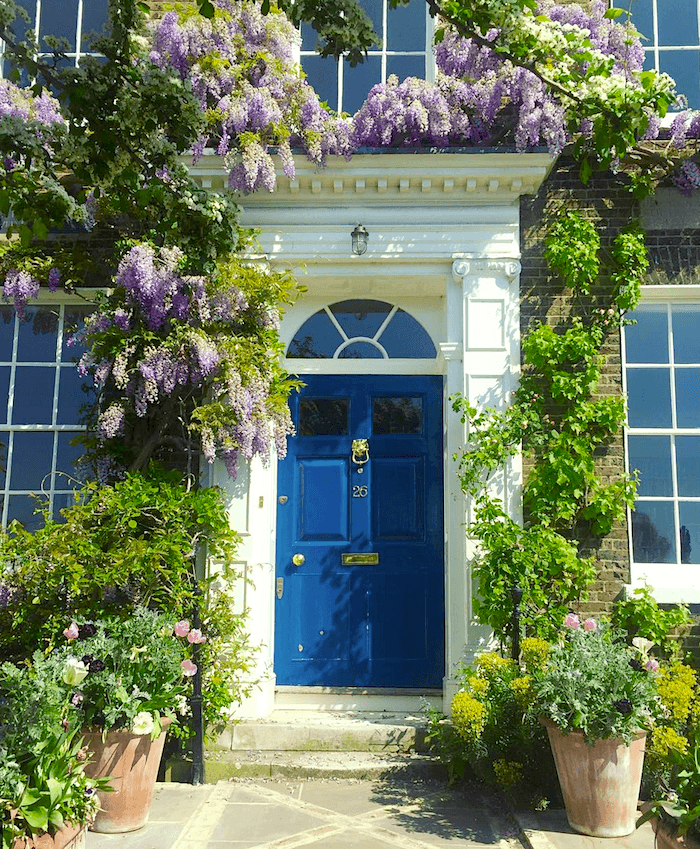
(507, 267)
(394, 178)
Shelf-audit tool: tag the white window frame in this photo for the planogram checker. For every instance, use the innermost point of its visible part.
(383, 52)
(671, 582)
(77, 54)
(48, 488)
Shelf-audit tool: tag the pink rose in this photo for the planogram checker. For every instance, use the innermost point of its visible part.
(652, 665)
(589, 624)
(71, 632)
(572, 621)
(182, 628)
(188, 668)
(195, 636)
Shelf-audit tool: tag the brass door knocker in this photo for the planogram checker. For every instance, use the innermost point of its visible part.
(360, 453)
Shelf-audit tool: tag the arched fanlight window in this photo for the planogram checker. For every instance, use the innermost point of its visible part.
(361, 329)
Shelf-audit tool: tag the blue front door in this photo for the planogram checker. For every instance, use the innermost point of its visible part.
(359, 587)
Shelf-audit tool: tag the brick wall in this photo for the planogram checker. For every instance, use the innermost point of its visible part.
(606, 202)
(672, 226)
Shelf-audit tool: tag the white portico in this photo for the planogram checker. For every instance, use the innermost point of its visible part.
(442, 255)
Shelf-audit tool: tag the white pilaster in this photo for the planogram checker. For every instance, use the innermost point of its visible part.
(484, 311)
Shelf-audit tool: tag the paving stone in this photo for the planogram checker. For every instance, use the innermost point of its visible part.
(154, 835)
(552, 828)
(176, 802)
(261, 822)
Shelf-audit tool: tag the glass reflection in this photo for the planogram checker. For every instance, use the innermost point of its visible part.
(651, 457)
(688, 465)
(67, 456)
(690, 531)
(323, 416)
(32, 454)
(73, 394)
(687, 396)
(686, 339)
(33, 395)
(647, 340)
(22, 508)
(360, 317)
(317, 338)
(7, 332)
(405, 337)
(649, 397)
(38, 336)
(653, 532)
(397, 415)
(360, 351)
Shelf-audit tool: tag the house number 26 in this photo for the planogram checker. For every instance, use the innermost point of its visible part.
(359, 491)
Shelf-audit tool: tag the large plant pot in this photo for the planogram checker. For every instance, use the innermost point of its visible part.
(70, 837)
(599, 783)
(131, 761)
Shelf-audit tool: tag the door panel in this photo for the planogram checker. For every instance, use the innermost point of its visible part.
(375, 619)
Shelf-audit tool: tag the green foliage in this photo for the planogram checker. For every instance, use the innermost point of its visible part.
(640, 616)
(42, 760)
(593, 682)
(493, 732)
(563, 426)
(571, 249)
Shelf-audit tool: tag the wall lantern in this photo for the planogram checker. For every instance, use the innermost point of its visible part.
(359, 240)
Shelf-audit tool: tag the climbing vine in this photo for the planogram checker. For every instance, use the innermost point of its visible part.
(564, 425)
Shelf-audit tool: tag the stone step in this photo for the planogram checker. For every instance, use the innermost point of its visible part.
(326, 731)
(222, 765)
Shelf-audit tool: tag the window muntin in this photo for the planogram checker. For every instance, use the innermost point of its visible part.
(672, 40)
(662, 379)
(41, 395)
(361, 329)
(74, 20)
(405, 50)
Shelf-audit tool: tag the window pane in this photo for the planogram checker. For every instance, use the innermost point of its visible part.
(358, 81)
(72, 395)
(397, 415)
(38, 336)
(641, 18)
(33, 397)
(323, 77)
(59, 19)
(684, 67)
(406, 25)
(4, 392)
(405, 337)
(7, 331)
(688, 465)
(31, 460)
(649, 397)
(406, 66)
(647, 340)
(360, 351)
(20, 26)
(22, 507)
(317, 337)
(653, 536)
(678, 23)
(651, 457)
(94, 18)
(74, 320)
(685, 321)
(4, 442)
(66, 457)
(688, 397)
(61, 500)
(690, 532)
(361, 318)
(323, 416)
(374, 11)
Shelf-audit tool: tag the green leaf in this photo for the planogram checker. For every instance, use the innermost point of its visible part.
(38, 817)
(55, 789)
(207, 10)
(614, 13)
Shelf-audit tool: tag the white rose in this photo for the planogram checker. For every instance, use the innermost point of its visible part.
(143, 723)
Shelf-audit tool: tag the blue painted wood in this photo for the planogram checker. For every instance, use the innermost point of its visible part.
(363, 625)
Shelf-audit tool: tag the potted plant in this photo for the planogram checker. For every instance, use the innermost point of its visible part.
(596, 696)
(127, 681)
(46, 797)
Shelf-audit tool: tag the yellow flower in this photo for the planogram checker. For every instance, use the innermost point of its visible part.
(523, 691)
(676, 686)
(534, 653)
(664, 739)
(479, 687)
(492, 665)
(468, 716)
(508, 773)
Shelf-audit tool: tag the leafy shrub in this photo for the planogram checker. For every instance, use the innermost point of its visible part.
(640, 615)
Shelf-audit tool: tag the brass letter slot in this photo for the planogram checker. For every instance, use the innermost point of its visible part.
(356, 559)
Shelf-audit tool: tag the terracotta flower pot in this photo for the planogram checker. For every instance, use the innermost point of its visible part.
(131, 761)
(70, 837)
(599, 783)
(666, 839)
